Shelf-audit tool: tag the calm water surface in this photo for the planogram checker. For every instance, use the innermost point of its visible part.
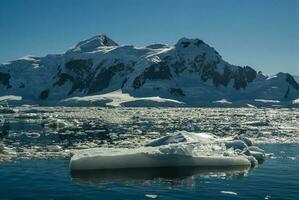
(277, 178)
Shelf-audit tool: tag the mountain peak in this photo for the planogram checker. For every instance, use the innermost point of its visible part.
(93, 43)
(186, 42)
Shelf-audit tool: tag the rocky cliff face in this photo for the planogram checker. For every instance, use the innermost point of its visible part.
(190, 71)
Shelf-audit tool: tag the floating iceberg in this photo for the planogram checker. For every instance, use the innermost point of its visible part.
(148, 157)
(180, 150)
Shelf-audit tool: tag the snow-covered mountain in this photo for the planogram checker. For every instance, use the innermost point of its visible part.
(296, 78)
(190, 72)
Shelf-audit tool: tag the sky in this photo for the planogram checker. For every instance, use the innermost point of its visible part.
(263, 34)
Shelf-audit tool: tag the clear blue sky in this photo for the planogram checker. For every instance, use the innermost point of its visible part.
(260, 33)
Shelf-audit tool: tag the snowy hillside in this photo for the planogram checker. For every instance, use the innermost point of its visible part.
(190, 73)
(296, 78)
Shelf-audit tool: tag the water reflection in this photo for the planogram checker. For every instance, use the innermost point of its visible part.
(167, 176)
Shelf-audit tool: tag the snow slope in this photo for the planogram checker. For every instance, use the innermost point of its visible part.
(190, 72)
(296, 78)
(117, 98)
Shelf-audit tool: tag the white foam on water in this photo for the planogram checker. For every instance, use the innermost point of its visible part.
(229, 192)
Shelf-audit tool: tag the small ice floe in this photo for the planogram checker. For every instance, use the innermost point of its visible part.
(228, 192)
(151, 196)
(265, 122)
(28, 116)
(251, 106)
(243, 144)
(236, 144)
(256, 149)
(247, 141)
(179, 150)
(267, 197)
(58, 124)
(32, 134)
(292, 158)
(223, 102)
(54, 148)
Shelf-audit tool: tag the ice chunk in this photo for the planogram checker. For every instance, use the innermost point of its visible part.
(258, 154)
(236, 144)
(257, 149)
(57, 124)
(54, 123)
(244, 139)
(222, 101)
(32, 134)
(151, 196)
(259, 123)
(260, 157)
(252, 161)
(228, 192)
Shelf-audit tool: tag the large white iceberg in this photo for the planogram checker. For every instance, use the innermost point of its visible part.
(180, 150)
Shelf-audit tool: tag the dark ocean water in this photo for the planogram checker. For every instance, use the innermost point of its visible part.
(277, 178)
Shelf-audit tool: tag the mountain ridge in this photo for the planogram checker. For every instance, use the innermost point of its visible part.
(190, 71)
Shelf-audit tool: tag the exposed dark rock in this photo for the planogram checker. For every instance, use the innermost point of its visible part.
(79, 66)
(198, 42)
(208, 71)
(223, 79)
(290, 79)
(157, 71)
(63, 78)
(102, 80)
(125, 81)
(177, 92)
(78, 72)
(287, 93)
(83, 77)
(179, 67)
(22, 85)
(240, 79)
(4, 79)
(249, 73)
(199, 62)
(44, 94)
(185, 44)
